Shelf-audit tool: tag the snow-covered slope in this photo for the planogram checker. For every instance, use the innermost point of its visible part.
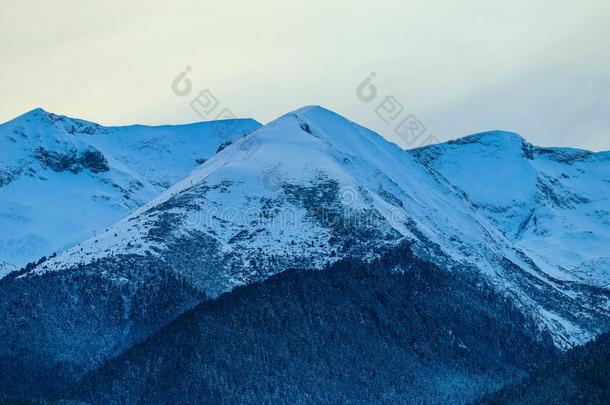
(552, 203)
(62, 179)
(6, 268)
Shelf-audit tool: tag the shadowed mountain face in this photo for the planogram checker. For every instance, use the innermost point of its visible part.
(62, 179)
(353, 332)
(307, 191)
(582, 376)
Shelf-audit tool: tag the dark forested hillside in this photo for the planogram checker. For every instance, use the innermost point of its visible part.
(582, 376)
(352, 333)
(63, 324)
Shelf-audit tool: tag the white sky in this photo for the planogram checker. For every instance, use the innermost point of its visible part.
(540, 68)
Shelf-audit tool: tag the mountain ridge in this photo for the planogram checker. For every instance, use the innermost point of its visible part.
(50, 162)
(511, 136)
(552, 201)
(305, 191)
(345, 150)
(313, 334)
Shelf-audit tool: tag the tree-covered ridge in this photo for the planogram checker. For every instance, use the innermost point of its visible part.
(582, 376)
(354, 332)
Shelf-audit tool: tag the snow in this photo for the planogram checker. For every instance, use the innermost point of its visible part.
(355, 157)
(43, 211)
(6, 268)
(554, 205)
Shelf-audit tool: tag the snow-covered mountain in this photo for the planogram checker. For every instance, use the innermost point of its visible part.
(319, 188)
(551, 203)
(305, 191)
(62, 179)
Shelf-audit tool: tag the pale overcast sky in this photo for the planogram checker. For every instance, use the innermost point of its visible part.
(540, 68)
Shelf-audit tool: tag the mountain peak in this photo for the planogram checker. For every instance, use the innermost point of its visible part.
(314, 112)
(39, 115)
(37, 111)
(510, 144)
(311, 108)
(55, 164)
(494, 137)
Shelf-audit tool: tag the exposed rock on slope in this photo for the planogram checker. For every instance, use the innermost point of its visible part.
(62, 179)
